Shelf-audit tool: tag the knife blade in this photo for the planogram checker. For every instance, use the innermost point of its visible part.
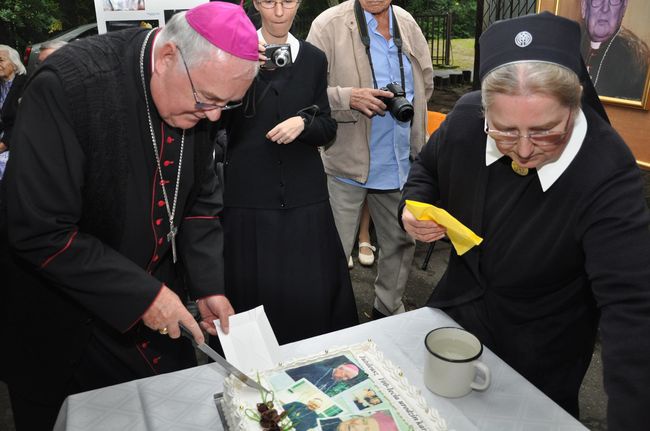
(215, 356)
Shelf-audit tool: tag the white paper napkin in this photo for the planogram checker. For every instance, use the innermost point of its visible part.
(251, 344)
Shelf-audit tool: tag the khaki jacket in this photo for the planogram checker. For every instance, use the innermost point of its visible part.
(335, 31)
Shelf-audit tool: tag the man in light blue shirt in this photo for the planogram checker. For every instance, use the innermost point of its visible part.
(370, 158)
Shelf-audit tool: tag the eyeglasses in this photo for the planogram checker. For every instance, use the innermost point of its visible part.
(202, 106)
(542, 139)
(599, 3)
(286, 4)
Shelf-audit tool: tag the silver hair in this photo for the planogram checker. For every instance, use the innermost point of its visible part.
(14, 58)
(53, 44)
(532, 77)
(196, 49)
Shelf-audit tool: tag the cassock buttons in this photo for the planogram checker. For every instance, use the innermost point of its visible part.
(161, 204)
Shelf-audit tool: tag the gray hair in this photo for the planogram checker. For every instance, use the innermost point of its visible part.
(53, 44)
(196, 49)
(532, 77)
(14, 58)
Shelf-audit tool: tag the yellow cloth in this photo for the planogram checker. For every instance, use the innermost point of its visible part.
(460, 235)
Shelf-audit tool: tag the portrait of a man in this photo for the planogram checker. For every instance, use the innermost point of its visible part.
(331, 376)
(617, 59)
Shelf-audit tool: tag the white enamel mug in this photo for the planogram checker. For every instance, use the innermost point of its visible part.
(452, 363)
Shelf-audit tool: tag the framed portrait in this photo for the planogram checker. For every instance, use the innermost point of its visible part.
(615, 45)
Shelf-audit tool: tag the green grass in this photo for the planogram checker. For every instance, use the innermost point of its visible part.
(462, 54)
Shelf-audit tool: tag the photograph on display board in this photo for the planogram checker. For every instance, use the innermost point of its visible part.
(615, 40)
(117, 5)
(117, 14)
(121, 25)
(169, 13)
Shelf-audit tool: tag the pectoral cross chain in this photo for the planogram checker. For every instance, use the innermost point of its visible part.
(171, 237)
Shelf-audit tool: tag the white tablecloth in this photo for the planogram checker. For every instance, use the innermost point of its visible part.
(184, 400)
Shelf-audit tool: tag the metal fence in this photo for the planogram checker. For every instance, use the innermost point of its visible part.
(494, 10)
(437, 30)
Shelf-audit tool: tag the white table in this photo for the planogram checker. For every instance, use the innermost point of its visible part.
(184, 400)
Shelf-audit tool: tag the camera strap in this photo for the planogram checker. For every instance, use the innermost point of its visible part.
(365, 39)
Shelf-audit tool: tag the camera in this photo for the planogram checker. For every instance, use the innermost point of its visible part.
(398, 105)
(279, 55)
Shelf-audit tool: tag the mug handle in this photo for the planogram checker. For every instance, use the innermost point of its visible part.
(480, 366)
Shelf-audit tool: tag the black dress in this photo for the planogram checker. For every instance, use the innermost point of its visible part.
(282, 249)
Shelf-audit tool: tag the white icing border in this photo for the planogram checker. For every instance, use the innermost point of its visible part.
(416, 403)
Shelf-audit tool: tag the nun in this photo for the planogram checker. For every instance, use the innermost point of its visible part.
(531, 164)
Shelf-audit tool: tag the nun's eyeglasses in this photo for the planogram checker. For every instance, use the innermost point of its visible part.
(286, 4)
(599, 3)
(546, 138)
(202, 106)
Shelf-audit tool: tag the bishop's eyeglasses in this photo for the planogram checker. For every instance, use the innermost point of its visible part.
(203, 106)
(543, 139)
(270, 4)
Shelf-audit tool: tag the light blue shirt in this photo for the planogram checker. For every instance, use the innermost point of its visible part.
(389, 138)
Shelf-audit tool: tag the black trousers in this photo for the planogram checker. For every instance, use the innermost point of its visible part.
(107, 360)
(31, 414)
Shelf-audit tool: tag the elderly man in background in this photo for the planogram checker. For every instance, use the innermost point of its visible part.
(374, 50)
(47, 48)
(12, 79)
(616, 58)
(112, 207)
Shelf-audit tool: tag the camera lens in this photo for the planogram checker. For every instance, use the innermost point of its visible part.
(281, 57)
(403, 112)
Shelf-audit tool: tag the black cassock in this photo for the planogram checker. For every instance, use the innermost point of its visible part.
(554, 266)
(282, 249)
(88, 226)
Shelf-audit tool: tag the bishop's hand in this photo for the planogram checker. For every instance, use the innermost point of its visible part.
(215, 307)
(166, 311)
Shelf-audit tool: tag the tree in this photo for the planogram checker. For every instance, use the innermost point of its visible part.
(26, 21)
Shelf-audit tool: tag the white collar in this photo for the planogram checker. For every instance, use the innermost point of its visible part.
(291, 40)
(550, 172)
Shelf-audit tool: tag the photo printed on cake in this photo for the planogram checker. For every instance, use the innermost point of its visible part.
(332, 375)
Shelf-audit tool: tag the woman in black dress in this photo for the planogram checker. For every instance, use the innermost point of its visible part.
(282, 249)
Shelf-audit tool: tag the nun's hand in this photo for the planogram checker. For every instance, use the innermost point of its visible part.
(422, 230)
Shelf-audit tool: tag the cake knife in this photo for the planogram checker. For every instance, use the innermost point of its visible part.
(212, 354)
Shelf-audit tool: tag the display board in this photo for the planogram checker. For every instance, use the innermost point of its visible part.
(627, 43)
(115, 15)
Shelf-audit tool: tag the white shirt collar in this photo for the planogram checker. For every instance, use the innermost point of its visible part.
(550, 172)
(291, 40)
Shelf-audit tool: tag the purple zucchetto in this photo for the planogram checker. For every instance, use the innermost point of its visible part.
(226, 26)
